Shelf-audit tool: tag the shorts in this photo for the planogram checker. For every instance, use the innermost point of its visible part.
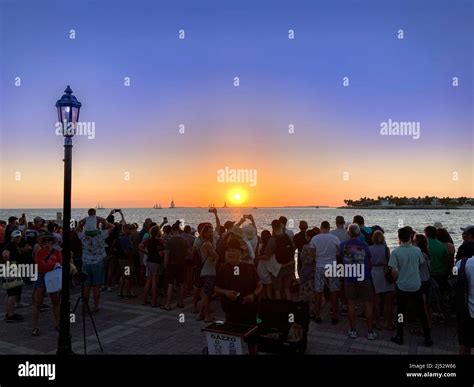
(360, 291)
(321, 280)
(95, 273)
(285, 275)
(207, 283)
(14, 292)
(126, 264)
(40, 284)
(466, 331)
(154, 268)
(174, 273)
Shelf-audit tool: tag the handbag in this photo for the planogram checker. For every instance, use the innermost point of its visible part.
(12, 283)
(53, 280)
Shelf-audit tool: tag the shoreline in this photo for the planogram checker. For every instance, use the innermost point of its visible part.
(260, 208)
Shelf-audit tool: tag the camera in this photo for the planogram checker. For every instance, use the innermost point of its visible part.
(117, 210)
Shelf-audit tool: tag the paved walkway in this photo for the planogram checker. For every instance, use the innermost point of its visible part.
(127, 327)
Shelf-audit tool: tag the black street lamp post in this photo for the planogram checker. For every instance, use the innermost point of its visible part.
(68, 114)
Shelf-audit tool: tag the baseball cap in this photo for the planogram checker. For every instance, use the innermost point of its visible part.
(47, 235)
(38, 219)
(12, 218)
(468, 229)
(16, 234)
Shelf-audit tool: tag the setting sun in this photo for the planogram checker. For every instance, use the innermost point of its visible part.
(237, 195)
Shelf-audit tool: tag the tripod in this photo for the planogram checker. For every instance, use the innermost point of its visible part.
(85, 305)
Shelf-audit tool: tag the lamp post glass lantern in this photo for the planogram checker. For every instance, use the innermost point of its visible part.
(68, 108)
(68, 112)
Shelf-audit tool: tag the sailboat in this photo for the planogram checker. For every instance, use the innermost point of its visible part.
(99, 207)
(225, 205)
(157, 207)
(172, 204)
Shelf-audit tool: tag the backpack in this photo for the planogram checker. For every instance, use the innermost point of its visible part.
(284, 251)
(461, 287)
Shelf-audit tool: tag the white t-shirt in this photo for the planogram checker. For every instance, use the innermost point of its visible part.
(327, 246)
(470, 281)
(341, 233)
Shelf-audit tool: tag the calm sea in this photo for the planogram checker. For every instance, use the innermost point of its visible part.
(388, 219)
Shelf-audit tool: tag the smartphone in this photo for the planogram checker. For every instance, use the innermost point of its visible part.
(117, 210)
(165, 219)
(211, 209)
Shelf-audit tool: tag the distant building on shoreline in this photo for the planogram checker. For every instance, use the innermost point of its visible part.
(395, 202)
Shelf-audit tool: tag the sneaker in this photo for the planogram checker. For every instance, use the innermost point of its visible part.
(352, 334)
(110, 288)
(14, 318)
(371, 335)
(397, 340)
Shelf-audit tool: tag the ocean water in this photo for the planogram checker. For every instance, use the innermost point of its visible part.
(388, 219)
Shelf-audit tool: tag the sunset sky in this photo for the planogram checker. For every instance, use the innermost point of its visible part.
(190, 82)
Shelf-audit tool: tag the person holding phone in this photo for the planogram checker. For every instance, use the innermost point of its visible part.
(209, 258)
(111, 218)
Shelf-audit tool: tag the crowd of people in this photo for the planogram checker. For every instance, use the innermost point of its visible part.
(350, 268)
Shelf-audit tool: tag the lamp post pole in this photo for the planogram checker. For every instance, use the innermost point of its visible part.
(64, 340)
(68, 113)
